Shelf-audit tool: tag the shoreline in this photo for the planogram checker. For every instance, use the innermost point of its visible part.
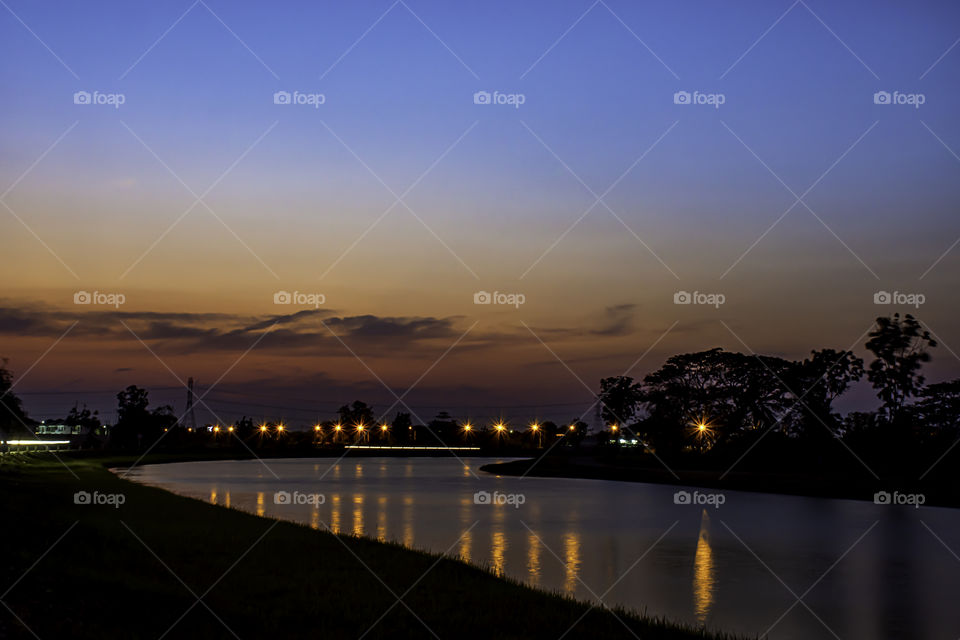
(830, 486)
(121, 571)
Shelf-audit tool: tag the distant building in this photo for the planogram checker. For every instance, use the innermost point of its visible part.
(44, 429)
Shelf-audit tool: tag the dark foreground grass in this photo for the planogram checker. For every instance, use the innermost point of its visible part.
(137, 571)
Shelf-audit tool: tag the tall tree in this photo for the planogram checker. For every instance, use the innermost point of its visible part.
(900, 347)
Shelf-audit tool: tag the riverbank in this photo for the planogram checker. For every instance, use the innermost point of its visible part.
(940, 491)
(135, 566)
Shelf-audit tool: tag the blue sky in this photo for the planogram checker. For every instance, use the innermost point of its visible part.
(297, 187)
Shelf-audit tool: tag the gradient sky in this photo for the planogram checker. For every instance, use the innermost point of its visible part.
(298, 198)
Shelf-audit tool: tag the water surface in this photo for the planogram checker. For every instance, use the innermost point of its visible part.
(793, 567)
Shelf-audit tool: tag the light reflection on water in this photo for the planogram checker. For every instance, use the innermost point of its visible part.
(703, 572)
(583, 536)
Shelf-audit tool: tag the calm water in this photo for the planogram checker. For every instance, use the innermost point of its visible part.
(862, 570)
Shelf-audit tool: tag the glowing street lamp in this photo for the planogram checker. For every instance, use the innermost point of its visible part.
(216, 429)
(230, 429)
(263, 428)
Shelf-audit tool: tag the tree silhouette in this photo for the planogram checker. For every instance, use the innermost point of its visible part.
(900, 347)
(620, 399)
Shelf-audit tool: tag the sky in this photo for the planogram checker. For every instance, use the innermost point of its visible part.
(388, 161)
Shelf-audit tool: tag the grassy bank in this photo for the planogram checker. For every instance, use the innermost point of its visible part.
(99, 571)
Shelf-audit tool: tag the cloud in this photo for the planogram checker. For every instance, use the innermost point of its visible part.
(305, 332)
